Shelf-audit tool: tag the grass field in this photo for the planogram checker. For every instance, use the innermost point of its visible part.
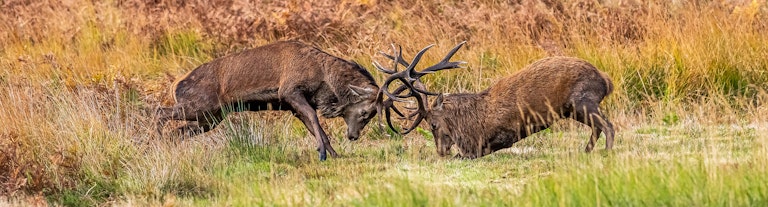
(80, 80)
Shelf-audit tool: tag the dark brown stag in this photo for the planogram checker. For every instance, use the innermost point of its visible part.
(515, 107)
(288, 76)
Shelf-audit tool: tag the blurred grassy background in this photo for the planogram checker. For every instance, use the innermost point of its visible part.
(79, 80)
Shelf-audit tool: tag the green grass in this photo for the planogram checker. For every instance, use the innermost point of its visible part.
(78, 92)
(671, 169)
(720, 166)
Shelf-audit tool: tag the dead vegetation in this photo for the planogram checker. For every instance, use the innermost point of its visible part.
(77, 74)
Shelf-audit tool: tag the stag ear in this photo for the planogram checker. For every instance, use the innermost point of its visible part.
(361, 92)
(438, 105)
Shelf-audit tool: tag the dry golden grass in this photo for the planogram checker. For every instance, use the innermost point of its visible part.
(79, 80)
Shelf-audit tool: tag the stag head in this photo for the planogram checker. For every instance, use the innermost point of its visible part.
(412, 87)
(437, 123)
(361, 111)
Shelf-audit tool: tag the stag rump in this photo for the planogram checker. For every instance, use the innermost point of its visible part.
(515, 107)
(287, 76)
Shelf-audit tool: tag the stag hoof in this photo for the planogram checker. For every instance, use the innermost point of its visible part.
(464, 157)
(589, 148)
(323, 156)
(334, 155)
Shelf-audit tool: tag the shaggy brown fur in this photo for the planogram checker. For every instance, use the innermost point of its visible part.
(520, 105)
(281, 76)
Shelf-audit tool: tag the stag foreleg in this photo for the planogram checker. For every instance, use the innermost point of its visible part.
(308, 116)
(162, 115)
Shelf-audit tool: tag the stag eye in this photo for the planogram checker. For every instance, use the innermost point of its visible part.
(365, 115)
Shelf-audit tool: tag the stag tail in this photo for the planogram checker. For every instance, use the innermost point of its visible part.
(608, 84)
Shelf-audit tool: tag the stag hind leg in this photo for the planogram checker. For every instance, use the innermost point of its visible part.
(209, 120)
(589, 113)
(206, 119)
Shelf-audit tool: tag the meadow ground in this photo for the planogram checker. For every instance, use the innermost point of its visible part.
(80, 80)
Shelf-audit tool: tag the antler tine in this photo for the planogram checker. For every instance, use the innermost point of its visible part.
(399, 59)
(388, 106)
(416, 60)
(453, 51)
(382, 69)
(420, 113)
(389, 103)
(409, 117)
(405, 77)
(422, 91)
(417, 85)
(385, 87)
(443, 64)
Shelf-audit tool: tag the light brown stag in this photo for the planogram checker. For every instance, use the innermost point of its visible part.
(515, 107)
(288, 76)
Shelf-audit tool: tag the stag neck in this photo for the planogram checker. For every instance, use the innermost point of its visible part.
(340, 73)
(468, 101)
(466, 96)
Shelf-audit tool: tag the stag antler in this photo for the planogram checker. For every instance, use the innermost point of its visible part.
(388, 105)
(397, 59)
(410, 77)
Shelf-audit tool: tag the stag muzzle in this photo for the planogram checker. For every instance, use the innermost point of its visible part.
(353, 135)
(444, 150)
